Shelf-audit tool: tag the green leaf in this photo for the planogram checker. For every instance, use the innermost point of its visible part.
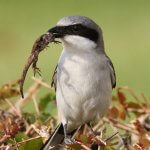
(10, 141)
(21, 136)
(76, 146)
(34, 144)
(44, 116)
(29, 117)
(108, 148)
(51, 108)
(84, 139)
(46, 100)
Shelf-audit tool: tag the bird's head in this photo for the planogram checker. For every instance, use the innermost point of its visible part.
(78, 32)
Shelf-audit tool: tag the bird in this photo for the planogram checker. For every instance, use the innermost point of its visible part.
(83, 78)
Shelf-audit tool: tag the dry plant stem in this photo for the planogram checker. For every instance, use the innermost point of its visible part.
(145, 99)
(98, 125)
(52, 126)
(4, 138)
(138, 146)
(101, 142)
(109, 138)
(40, 132)
(145, 111)
(102, 130)
(22, 142)
(33, 127)
(20, 103)
(13, 107)
(5, 147)
(36, 129)
(36, 105)
(32, 90)
(121, 125)
(82, 145)
(28, 130)
(119, 137)
(41, 82)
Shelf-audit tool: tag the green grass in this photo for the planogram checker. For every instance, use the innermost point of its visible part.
(125, 27)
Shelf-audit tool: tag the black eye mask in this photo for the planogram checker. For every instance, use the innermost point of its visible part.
(76, 29)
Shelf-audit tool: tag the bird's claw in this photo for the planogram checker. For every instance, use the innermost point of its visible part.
(68, 140)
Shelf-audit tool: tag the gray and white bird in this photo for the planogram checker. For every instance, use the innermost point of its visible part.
(83, 79)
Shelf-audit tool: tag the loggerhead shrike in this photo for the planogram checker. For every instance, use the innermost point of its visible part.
(83, 79)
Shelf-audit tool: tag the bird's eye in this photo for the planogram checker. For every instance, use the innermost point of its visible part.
(75, 28)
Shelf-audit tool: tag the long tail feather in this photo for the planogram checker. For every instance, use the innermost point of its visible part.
(55, 139)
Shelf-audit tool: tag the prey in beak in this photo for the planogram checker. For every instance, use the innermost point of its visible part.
(39, 45)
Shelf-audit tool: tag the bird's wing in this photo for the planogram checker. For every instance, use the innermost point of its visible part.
(54, 79)
(112, 75)
(112, 72)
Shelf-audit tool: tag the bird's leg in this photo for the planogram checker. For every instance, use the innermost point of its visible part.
(68, 139)
(94, 134)
(91, 129)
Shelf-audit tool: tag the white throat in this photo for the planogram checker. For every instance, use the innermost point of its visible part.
(77, 43)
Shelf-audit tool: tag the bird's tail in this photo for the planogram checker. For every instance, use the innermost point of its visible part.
(57, 138)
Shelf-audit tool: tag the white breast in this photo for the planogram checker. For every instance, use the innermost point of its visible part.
(83, 87)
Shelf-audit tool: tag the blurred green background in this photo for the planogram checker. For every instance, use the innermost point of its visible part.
(125, 24)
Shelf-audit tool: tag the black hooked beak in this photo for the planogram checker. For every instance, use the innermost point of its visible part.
(56, 31)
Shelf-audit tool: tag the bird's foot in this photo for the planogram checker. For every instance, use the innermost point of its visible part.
(68, 140)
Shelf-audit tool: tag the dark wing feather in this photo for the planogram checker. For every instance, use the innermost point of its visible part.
(54, 79)
(112, 72)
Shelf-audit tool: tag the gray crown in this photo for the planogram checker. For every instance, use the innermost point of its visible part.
(70, 20)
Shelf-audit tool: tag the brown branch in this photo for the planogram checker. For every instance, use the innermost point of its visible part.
(7, 147)
(138, 146)
(82, 145)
